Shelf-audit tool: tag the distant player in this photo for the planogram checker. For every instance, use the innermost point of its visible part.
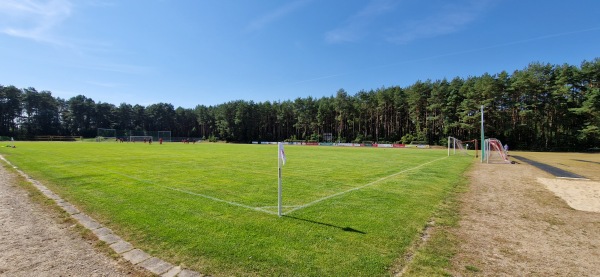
(160, 141)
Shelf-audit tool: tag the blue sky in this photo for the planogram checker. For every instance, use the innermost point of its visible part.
(190, 52)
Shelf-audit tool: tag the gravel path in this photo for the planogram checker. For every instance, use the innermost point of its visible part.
(33, 242)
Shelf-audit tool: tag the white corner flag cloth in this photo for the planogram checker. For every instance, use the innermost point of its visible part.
(282, 153)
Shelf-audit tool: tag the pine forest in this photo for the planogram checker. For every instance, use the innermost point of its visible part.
(541, 107)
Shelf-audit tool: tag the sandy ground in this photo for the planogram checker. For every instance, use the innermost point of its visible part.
(514, 225)
(35, 242)
(579, 195)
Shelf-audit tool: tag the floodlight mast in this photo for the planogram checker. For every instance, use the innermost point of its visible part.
(482, 137)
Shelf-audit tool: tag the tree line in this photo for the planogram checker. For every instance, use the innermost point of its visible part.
(541, 107)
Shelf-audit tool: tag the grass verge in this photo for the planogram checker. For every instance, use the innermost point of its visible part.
(433, 256)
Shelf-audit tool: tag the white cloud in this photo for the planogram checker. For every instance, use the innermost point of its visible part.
(40, 21)
(376, 8)
(443, 17)
(275, 15)
(102, 3)
(33, 19)
(121, 68)
(105, 84)
(448, 19)
(357, 25)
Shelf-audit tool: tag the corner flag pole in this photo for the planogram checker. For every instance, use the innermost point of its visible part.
(279, 158)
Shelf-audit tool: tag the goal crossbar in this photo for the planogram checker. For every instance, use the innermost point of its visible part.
(105, 134)
(139, 138)
(456, 144)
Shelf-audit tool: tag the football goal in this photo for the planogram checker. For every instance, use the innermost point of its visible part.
(140, 138)
(164, 135)
(106, 135)
(455, 145)
(494, 151)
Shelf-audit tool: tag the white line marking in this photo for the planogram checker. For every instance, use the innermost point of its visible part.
(273, 207)
(221, 200)
(260, 209)
(361, 187)
(196, 194)
(573, 178)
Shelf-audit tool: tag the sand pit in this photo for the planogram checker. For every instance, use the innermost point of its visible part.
(580, 195)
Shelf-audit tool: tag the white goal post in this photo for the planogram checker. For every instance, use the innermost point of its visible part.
(454, 144)
(495, 151)
(462, 146)
(164, 135)
(105, 134)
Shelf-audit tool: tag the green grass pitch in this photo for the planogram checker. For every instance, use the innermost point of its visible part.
(213, 207)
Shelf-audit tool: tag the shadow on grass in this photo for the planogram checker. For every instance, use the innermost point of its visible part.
(557, 172)
(345, 229)
(586, 161)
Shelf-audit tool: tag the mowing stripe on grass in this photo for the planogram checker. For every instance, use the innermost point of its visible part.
(361, 187)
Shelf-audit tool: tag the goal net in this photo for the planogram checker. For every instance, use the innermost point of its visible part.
(164, 135)
(140, 138)
(106, 135)
(456, 145)
(494, 151)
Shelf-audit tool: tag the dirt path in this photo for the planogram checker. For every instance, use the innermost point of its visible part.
(512, 225)
(33, 242)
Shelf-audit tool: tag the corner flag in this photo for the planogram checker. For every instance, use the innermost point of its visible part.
(282, 153)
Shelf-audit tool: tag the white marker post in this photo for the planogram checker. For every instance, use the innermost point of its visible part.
(280, 162)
